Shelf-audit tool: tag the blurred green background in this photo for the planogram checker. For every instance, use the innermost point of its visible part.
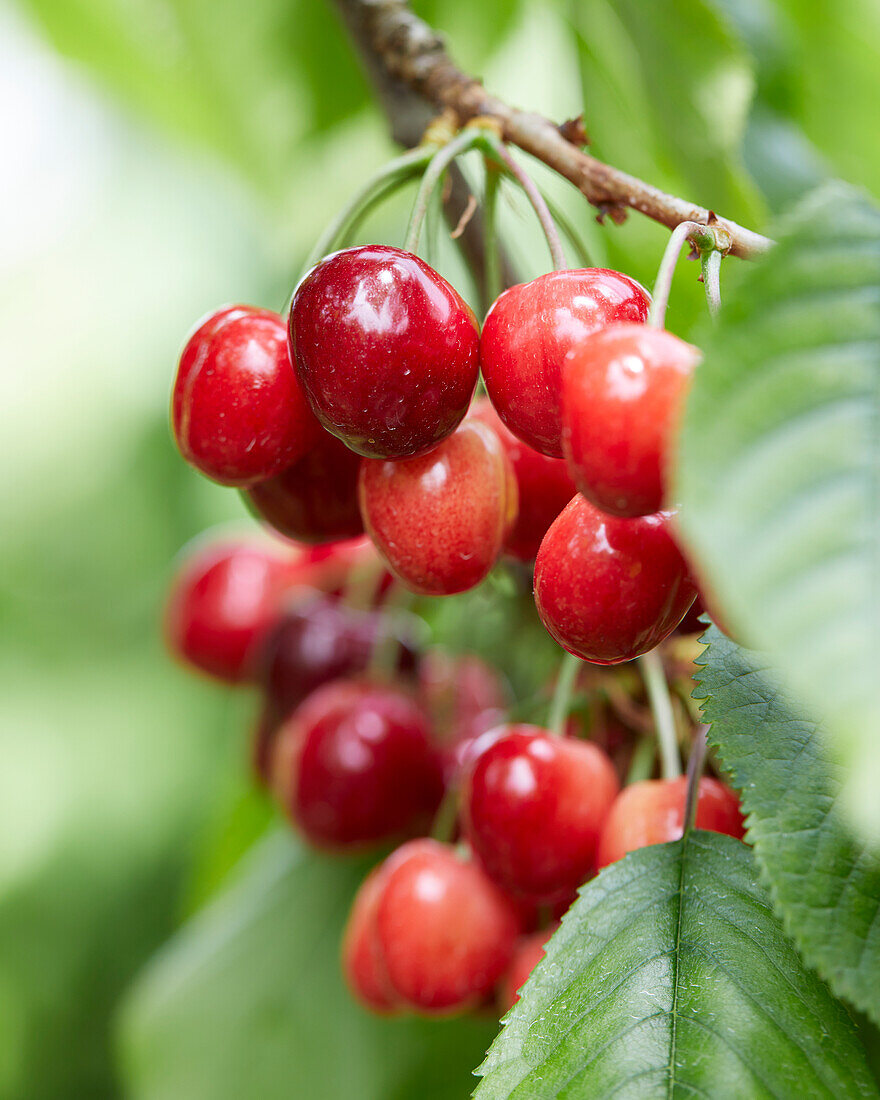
(162, 157)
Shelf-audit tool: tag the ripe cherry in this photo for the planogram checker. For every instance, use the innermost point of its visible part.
(319, 639)
(237, 410)
(623, 391)
(527, 954)
(652, 812)
(544, 486)
(445, 931)
(315, 499)
(440, 520)
(354, 764)
(533, 807)
(362, 963)
(610, 589)
(386, 350)
(222, 602)
(529, 332)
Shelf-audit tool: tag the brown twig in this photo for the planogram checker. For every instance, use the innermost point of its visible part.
(405, 56)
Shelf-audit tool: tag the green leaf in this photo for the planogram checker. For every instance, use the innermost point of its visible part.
(247, 1001)
(779, 470)
(670, 976)
(824, 881)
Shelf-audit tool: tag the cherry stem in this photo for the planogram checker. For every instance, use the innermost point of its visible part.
(395, 172)
(437, 165)
(443, 826)
(707, 239)
(560, 705)
(539, 203)
(492, 281)
(642, 763)
(711, 262)
(696, 763)
(664, 718)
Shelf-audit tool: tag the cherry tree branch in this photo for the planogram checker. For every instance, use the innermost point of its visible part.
(413, 73)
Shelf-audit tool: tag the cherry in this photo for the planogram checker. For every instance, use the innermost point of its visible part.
(222, 602)
(237, 410)
(610, 589)
(354, 764)
(362, 963)
(386, 350)
(527, 954)
(533, 807)
(623, 390)
(319, 639)
(529, 332)
(691, 624)
(315, 499)
(652, 812)
(544, 486)
(440, 520)
(445, 931)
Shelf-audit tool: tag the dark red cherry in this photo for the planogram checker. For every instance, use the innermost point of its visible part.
(319, 639)
(652, 812)
(533, 807)
(354, 764)
(237, 410)
(440, 520)
(529, 332)
(445, 931)
(691, 624)
(527, 954)
(544, 486)
(362, 963)
(386, 350)
(222, 602)
(610, 589)
(315, 499)
(623, 391)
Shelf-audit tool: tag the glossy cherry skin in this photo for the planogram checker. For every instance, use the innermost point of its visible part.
(529, 332)
(318, 639)
(610, 589)
(386, 350)
(445, 931)
(315, 499)
(354, 764)
(527, 954)
(623, 392)
(440, 520)
(362, 963)
(533, 807)
(223, 600)
(237, 410)
(652, 812)
(544, 486)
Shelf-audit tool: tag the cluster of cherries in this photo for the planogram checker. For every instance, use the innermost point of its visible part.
(358, 416)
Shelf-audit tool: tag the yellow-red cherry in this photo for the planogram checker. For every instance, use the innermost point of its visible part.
(609, 589)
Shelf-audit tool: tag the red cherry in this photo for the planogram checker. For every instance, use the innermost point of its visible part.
(529, 332)
(527, 954)
(533, 807)
(623, 390)
(237, 410)
(222, 602)
(440, 519)
(362, 963)
(354, 764)
(318, 639)
(445, 931)
(544, 486)
(691, 624)
(386, 350)
(330, 567)
(652, 812)
(315, 499)
(610, 589)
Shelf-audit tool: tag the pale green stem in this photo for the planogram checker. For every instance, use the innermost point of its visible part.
(664, 718)
(694, 773)
(569, 667)
(438, 164)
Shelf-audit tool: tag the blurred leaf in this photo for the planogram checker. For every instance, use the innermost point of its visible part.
(779, 470)
(248, 1000)
(824, 881)
(670, 976)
